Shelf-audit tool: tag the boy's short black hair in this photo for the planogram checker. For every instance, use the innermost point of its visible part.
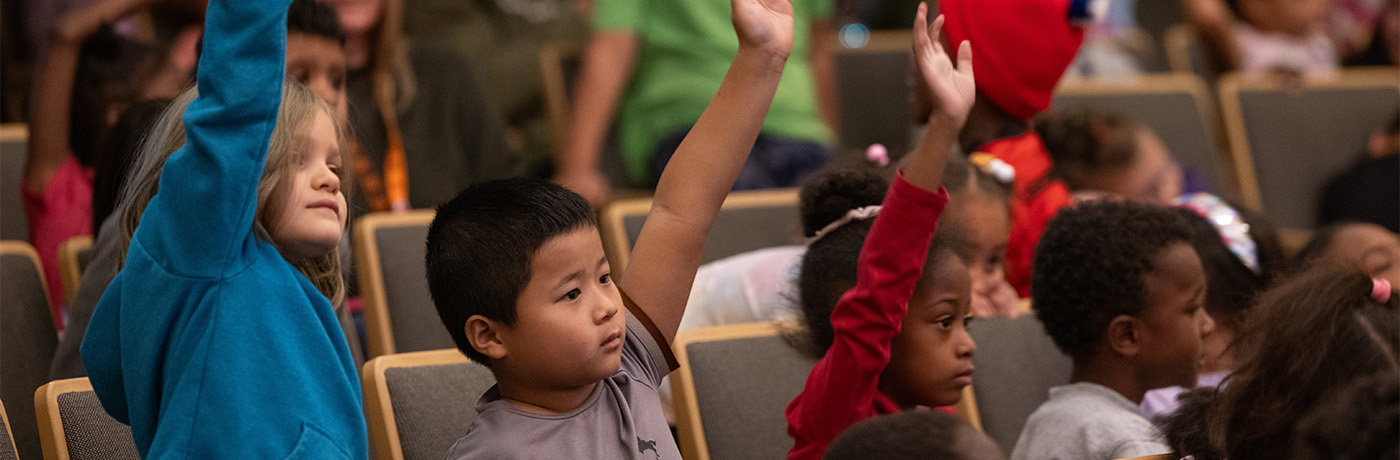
(1089, 267)
(481, 244)
(315, 18)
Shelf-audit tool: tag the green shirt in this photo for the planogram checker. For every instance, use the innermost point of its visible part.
(685, 47)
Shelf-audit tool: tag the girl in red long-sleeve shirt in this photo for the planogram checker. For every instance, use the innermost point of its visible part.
(898, 339)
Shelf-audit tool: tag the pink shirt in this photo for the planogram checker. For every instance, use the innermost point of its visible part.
(63, 211)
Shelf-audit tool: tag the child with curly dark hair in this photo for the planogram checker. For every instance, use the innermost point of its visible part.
(1119, 289)
(1306, 340)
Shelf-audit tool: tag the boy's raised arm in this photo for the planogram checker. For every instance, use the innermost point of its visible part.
(700, 174)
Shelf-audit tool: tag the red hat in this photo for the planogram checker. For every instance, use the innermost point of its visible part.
(1019, 47)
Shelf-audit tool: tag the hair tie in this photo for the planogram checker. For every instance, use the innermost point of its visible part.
(992, 166)
(861, 213)
(1234, 232)
(877, 155)
(1380, 290)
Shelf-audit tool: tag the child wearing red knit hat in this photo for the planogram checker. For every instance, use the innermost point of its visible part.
(1022, 48)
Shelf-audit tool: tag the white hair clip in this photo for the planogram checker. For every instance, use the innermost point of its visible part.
(861, 213)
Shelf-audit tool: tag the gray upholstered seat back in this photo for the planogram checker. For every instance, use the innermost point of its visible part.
(737, 230)
(90, 433)
(742, 387)
(27, 342)
(1298, 142)
(7, 445)
(872, 92)
(434, 405)
(13, 223)
(414, 319)
(1176, 117)
(1017, 363)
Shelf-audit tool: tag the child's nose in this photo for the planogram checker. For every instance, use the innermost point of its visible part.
(606, 310)
(328, 180)
(965, 346)
(1207, 323)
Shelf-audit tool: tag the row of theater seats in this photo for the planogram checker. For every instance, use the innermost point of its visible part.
(1278, 148)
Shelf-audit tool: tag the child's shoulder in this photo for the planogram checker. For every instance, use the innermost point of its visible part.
(1090, 417)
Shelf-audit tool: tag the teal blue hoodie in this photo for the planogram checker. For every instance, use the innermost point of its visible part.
(208, 343)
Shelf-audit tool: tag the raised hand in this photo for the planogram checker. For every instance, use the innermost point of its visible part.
(952, 88)
(764, 24)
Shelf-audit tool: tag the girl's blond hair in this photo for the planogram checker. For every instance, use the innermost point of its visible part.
(298, 108)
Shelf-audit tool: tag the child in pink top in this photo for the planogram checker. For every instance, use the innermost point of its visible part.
(88, 75)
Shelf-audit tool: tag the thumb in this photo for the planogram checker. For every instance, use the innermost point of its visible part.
(965, 58)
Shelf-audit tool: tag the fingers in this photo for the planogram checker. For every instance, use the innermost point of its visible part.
(965, 58)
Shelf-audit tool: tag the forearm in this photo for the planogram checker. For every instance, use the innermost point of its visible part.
(48, 121)
(694, 185)
(607, 66)
(824, 75)
(926, 163)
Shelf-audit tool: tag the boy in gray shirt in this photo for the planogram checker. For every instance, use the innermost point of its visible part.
(518, 274)
(1121, 290)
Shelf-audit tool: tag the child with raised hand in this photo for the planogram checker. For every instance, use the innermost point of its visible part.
(880, 360)
(218, 338)
(520, 280)
(88, 76)
(1120, 290)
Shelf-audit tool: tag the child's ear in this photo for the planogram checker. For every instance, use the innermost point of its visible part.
(1123, 335)
(482, 333)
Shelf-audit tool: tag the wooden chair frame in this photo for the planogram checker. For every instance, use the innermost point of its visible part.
(1170, 83)
(70, 270)
(379, 410)
(6, 418)
(51, 434)
(690, 430)
(10, 132)
(556, 91)
(612, 224)
(10, 247)
(379, 332)
(1177, 43)
(1241, 155)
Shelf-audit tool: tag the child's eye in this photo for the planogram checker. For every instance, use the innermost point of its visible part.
(945, 321)
(605, 279)
(967, 321)
(571, 295)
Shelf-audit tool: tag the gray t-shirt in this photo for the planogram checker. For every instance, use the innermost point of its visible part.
(622, 419)
(1087, 421)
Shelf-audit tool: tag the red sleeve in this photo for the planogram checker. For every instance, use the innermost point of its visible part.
(842, 388)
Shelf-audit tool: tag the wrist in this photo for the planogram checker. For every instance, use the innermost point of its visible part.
(764, 58)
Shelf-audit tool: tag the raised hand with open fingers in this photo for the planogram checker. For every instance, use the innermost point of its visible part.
(952, 88)
(766, 25)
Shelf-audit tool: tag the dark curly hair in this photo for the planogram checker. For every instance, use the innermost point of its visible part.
(1361, 422)
(828, 268)
(1187, 429)
(1083, 143)
(1089, 267)
(909, 435)
(1231, 286)
(1304, 340)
